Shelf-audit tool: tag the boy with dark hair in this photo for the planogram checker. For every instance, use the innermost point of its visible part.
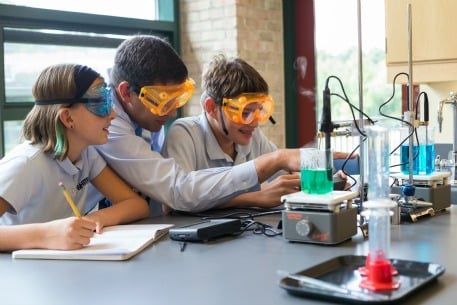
(150, 82)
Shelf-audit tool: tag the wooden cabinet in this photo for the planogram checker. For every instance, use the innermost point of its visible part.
(434, 39)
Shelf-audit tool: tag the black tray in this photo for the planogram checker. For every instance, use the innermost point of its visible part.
(343, 272)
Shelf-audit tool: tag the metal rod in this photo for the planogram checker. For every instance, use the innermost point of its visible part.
(361, 121)
(454, 106)
(410, 93)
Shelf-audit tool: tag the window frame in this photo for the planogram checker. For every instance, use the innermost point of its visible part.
(22, 17)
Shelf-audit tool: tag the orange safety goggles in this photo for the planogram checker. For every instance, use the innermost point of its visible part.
(247, 107)
(163, 99)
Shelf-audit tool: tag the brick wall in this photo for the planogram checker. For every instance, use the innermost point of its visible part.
(250, 29)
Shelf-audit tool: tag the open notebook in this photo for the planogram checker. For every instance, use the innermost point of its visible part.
(119, 242)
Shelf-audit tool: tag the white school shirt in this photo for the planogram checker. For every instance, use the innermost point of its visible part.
(155, 140)
(163, 180)
(29, 181)
(192, 143)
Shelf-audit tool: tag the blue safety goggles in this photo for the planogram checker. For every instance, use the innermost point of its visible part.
(97, 100)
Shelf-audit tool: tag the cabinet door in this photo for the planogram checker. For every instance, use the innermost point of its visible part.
(434, 28)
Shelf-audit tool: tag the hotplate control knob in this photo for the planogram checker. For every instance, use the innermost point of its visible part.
(304, 227)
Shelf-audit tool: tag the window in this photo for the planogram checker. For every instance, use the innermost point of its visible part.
(34, 38)
(337, 54)
(26, 58)
(138, 9)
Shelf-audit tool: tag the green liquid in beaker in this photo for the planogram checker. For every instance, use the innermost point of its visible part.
(316, 181)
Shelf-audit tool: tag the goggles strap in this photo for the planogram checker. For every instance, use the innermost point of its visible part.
(224, 128)
(84, 77)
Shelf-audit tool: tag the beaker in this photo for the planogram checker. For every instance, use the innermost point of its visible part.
(404, 152)
(316, 173)
(423, 150)
(426, 138)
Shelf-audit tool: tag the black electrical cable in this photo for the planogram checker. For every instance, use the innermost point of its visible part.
(398, 119)
(352, 107)
(425, 106)
(260, 228)
(246, 215)
(345, 98)
(391, 97)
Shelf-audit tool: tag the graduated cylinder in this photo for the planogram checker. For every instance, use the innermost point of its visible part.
(378, 269)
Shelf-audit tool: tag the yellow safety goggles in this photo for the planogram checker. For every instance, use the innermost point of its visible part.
(246, 107)
(162, 99)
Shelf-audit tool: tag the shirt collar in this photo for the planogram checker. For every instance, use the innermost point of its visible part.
(68, 167)
(117, 106)
(212, 146)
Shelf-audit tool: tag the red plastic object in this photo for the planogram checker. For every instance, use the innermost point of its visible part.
(379, 276)
(364, 270)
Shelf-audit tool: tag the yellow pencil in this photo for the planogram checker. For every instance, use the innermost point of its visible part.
(69, 200)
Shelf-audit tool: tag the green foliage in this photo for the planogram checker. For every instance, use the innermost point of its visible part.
(376, 89)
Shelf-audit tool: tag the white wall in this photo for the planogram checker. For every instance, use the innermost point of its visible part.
(437, 92)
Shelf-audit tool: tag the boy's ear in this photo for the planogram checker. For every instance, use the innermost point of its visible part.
(210, 106)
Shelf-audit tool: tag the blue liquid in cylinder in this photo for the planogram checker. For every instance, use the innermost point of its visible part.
(426, 159)
(423, 164)
(404, 159)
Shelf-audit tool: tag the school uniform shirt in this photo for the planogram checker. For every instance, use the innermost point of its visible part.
(29, 181)
(163, 180)
(192, 143)
(155, 140)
